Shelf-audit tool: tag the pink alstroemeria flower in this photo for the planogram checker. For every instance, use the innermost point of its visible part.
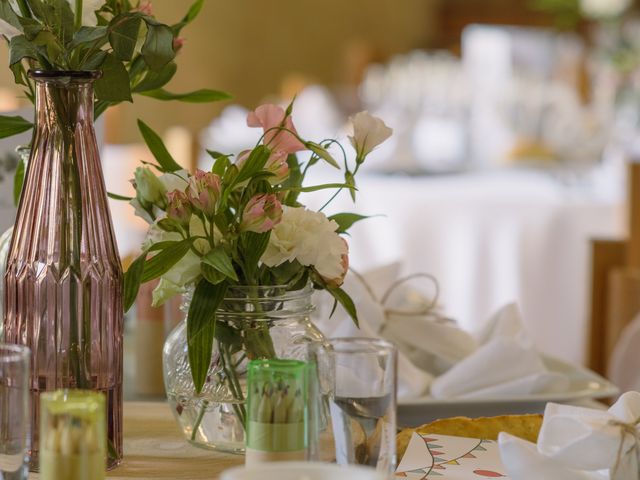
(262, 213)
(270, 117)
(204, 191)
(179, 208)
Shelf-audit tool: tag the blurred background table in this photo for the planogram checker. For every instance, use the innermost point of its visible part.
(155, 449)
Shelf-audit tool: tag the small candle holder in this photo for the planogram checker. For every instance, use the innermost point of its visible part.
(72, 435)
(277, 411)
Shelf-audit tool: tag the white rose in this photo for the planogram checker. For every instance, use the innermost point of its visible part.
(310, 238)
(368, 133)
(604, 8)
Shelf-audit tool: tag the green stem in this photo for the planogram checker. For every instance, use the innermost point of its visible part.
(79, 9)
(196, 425)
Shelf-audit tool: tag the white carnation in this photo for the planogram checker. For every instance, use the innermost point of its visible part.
(604, 8)
(308, 237)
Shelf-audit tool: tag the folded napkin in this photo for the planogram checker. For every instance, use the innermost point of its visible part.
(579, 443)
(435, 354)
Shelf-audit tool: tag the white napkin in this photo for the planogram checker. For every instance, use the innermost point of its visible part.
(412, 381)
(505, 364)
(580, 443)
(499, 361)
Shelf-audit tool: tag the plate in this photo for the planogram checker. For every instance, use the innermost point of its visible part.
(585, 386)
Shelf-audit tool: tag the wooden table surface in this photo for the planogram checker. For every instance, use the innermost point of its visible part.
(154, 448)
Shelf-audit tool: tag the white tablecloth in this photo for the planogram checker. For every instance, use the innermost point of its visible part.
(489, 239)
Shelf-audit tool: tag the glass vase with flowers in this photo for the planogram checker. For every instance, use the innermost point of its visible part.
(245, 252)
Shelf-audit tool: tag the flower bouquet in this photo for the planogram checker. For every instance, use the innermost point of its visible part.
(247, 254)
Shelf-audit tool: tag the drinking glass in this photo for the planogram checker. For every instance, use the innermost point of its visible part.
(15, 412)
(353, 382)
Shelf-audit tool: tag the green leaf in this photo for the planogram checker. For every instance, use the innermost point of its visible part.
(20, 48)
(164, 261)
(88, 35)
(254, 164)
(158, 149)
(253, 247)
(10, 126)
(95, 61)
(31, 27)
(18, 180)
(212, 275)
(321, 152)
(8, 15)
(123, 35)
(132, 281)
(154, 80)
(351, 184)
(221, 164)
(201, 328)
(191, 15)
(115, 196)
(219, 259)
(346, 220)
(198, 96)
(157, 49)
(170, 225)
(347, 303)
(114, 84)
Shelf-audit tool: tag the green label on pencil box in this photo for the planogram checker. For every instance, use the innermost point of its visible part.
(276, 437)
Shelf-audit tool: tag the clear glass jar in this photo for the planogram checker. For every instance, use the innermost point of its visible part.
(252, 322)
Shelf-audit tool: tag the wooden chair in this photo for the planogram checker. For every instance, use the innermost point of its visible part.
(615, 282)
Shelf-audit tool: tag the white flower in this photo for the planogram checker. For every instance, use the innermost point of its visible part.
(183, 273)
(89, 9)
(178, 180)
(368, 133)
(604, 8)
(310, 238)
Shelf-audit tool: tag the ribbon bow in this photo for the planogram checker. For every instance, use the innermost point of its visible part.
(427, 309)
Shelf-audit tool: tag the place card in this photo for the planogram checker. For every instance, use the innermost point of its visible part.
(444, 457)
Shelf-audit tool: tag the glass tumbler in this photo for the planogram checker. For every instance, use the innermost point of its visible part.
(15, 412)
(353, 402)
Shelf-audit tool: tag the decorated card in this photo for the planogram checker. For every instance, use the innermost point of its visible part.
(450, 458)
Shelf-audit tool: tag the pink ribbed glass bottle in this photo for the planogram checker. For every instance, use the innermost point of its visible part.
(63, 295)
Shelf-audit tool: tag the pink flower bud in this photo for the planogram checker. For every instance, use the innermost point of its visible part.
(344, 262)
(276, 164)
(179, 208)
(262, 213)
(178, 43)
(204, 191)
(145, 8)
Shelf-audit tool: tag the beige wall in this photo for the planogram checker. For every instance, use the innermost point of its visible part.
(247, 47)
